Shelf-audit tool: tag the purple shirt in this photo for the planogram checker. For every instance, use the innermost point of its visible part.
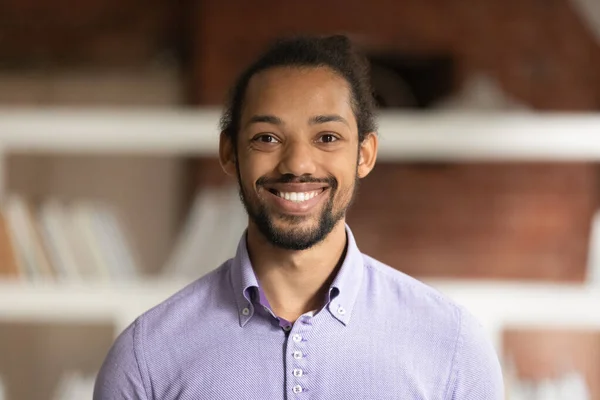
(380, 335)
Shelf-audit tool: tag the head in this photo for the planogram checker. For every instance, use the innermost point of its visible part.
(298, 133)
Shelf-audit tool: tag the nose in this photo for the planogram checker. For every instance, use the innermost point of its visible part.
(297, 159)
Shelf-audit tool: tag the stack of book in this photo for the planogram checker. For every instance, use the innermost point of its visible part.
(74, 386)
(210, 235)
(570, 385)
(2, 390)
(58, 241)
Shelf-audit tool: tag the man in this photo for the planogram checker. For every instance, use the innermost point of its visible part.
(300, 312)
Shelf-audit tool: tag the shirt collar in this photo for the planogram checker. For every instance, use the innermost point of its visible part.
(342, 293)
(242, 279)
(348, 282)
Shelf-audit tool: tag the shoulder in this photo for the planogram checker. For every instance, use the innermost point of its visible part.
(122, 372)
(190, 303)
(125, 372)
(475, 371)
(163, 323)
(408, 293)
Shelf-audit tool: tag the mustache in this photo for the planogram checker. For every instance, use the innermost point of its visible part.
(330, 180)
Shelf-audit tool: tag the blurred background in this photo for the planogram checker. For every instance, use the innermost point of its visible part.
(112, 198)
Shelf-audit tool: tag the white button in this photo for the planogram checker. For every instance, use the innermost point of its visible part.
(297, 338)
(297, 389)
(298, 373)
(287, 328)
(246, 311)
(297, 355)
(341, 311)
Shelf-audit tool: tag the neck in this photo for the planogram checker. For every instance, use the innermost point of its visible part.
(296, 281)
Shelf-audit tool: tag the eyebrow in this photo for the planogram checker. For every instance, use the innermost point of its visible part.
(317, 119)
(322, 119)
(269, 119)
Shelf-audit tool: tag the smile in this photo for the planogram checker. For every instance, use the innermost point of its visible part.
(297, 197)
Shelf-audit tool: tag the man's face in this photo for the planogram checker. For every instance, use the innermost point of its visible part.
(297, 154)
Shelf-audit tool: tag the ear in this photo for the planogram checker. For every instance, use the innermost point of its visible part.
(227, 156)
(367, 154)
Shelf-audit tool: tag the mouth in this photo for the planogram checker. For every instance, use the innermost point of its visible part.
(298, 200)
(297, 197)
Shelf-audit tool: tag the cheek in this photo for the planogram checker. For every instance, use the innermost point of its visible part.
(247, 172)
(346, 185)
(255, 166)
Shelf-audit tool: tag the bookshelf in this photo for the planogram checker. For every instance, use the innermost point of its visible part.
(116, 303)
(404, 137)
(437, 136)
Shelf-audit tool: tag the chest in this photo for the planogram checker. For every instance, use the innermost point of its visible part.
(310, 362)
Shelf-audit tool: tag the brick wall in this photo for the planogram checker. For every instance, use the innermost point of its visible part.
(518, 221)
(540, 354)
(538, 49)
(509, 221)
(527, 221)
(97, 33)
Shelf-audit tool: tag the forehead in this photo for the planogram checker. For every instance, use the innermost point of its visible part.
(293, 93)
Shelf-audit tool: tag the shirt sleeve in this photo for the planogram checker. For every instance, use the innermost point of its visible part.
(477, 374)
(120, 375)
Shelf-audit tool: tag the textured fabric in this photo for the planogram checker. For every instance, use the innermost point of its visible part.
(381, 335)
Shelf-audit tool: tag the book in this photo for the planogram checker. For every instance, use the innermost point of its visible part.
(82, 215)
(9, 263)
(42, 257)
(210, 235)
(2, 389)
(73, 385)
(65, 241)
(77, 243)
(54, 235)
(593, 261)
(185, 260)
(19, 221)
(126, 265)
(235, 221)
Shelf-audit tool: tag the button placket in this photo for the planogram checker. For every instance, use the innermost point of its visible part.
(297, 345)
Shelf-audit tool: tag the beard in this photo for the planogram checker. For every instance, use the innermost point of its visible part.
(295, 237)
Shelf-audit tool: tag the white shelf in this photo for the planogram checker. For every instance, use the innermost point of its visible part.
(452, 136)
(146, 131)
(439, 136)
(81, 302)
(527, 304)
(495, 303)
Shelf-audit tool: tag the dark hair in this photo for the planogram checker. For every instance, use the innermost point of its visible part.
(335, 52)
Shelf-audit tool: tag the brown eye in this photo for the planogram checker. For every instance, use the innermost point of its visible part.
(328, 138)
(266, 139)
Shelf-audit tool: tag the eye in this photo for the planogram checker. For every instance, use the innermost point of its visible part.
(327, 138)
(265, 138)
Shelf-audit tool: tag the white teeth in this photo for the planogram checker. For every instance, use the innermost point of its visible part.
(298, 197)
